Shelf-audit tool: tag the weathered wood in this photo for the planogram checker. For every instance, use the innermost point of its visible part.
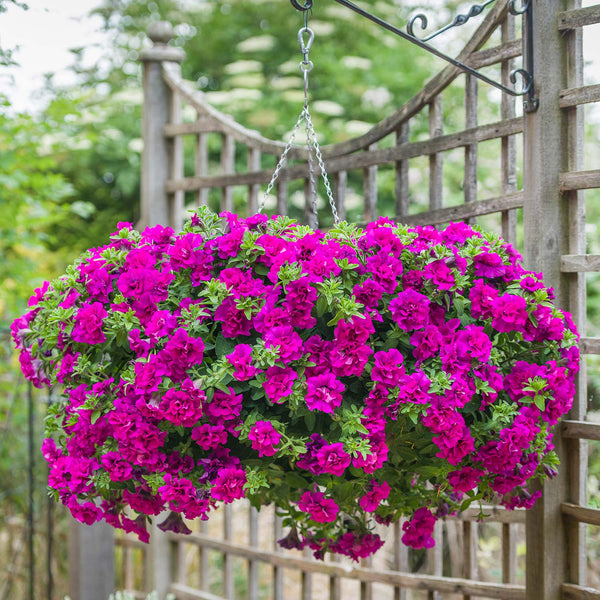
(577, 449)
(545, 223)
(160, 559)
(589, 345)
(252, 564)
(228, 585)
(400, 559)
(579, 180)
(129, 542)
(402, 187)
(410, 580)
(436, 161)
(306, 577)
(508, 150)
(580, 263)
(91, 561)
(470, 539)
(202, 125)
(361, 160)
(204, 560)
(579, 95)
(228, 168)
(370, 189)
(570, 591)
(340, 186)
(509, 553)
(572, 19)
(581, 430)
(254, 189)
(201, 167)
(277, 570)
(492, 56)
(177, 198)
(471, 102)
(465, 211)
(591, 516)
(282, 197)
(185, 592)
(156, 155)
(366, 587)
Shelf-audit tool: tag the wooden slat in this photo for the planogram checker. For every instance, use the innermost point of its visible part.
(494, 514)
(581, 430)
(509, 553)
(471, 102)
(591, 516)
(177, 199)
(580, 263)
(363, 159)
(278, 590)
(589, 345)
(130, 542)
(228, 584)
(204, 561)
(579, 180)
(508, 149)
(228, 168)
(202, 125)
(465, 211)
(253, 189)
(580, 17)
(452, 585)
(306, 577)
(470, 539)
(201, 167)
(579, 95)
(400, 559)
(366, 587)
(252, 564)
(185, 592)
(402, 189)
(370, 189)
(492, 56)
(436, 160)
(570, 591)
(282, 197)
(340, 186)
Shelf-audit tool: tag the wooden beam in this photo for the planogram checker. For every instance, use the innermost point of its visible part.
(185, 592)
(465, 211)
(359, 161)
(589, 345)
(579, 180)
(570, 591)
(580, 263)
(581, 430)
(572, 19)
(579, 95)
(492, 56)
(449, 585)
(581, 513)
(202, 125)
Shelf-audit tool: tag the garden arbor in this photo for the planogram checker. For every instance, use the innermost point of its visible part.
(545, 217)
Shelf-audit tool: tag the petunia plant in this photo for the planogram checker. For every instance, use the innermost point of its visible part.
(348, 377)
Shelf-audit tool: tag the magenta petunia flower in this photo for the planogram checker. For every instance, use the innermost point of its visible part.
(324, 392)
(320, 508)
(264, 438)
(88, 323)
(410, 310)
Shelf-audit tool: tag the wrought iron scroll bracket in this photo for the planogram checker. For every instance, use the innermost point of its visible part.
(516, 7)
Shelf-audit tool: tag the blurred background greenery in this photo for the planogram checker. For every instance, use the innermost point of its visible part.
(69, 170)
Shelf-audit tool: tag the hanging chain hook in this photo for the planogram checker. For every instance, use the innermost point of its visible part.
(302, 7)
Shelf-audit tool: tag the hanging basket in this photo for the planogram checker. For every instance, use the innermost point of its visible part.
(347, 377)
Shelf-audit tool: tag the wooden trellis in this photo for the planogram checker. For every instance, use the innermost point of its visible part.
(545, 217)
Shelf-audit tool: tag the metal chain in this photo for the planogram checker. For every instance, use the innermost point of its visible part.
(312, 143)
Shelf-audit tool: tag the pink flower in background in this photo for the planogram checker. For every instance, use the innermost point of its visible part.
(377, 492)
(418, 530)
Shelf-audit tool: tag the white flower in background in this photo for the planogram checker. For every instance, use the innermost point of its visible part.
(257, 43)
(243, 66)
(356, 62)
(377, 97)
(328, 107)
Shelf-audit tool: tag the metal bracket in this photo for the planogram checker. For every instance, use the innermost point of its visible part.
(530, 101)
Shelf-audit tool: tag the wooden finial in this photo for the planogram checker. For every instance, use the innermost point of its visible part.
(160, 32)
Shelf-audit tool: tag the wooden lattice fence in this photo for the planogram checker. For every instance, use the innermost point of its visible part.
(539, 206)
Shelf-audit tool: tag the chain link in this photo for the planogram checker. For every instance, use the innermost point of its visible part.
(312, 143)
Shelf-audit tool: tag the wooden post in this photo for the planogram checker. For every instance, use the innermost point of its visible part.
(156, 155)
(160, 560)
(545, 216)
(91, 561)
